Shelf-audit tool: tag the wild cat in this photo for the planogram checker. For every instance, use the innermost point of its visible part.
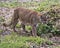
(26, 16)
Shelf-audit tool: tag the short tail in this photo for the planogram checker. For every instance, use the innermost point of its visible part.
(4, 24)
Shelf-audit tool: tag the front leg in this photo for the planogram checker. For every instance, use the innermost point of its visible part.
(23, 27)
(34, 31)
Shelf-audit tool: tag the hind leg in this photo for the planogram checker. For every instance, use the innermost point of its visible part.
(14, 25)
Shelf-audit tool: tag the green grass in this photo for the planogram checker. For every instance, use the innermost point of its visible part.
(10, 5)
(46, 5)
(16, 41)
(15, 4)
(41, 5)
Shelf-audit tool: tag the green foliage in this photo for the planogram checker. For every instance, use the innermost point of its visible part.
(55, 31)
(47, 28)
(43, 29)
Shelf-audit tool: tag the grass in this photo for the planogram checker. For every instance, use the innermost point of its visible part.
(39, 5)
(16, 41)
(15, 4)
(47, 4)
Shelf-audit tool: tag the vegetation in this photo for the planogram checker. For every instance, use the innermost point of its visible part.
(47, 4)
(15, 4)
(16, 41)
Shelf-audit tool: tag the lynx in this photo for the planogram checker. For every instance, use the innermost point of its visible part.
(26, 16)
